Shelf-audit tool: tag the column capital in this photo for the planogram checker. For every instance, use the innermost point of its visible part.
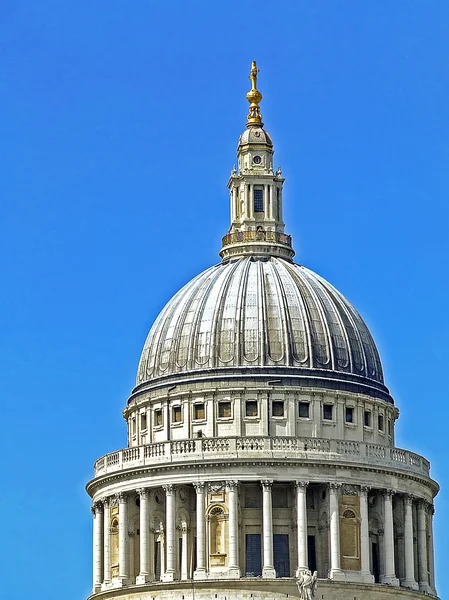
(122, 497)
(106, 501)
(408, 499)
(169, 488)
(97, 507)
(301, 486)
(266, 484)
(364, 490)
(335, 487)
(143, 492)
(199, 486)
(388, 493)
(431, 508)
(232, 485)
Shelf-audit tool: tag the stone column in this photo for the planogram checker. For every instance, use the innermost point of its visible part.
(272, 201)
(97, 512)
(123, 573)
(389, 575)
(335, 571)
(144, 526)
(301, 519)
(422, 547)
(268, 571)
(431, 511)
(200, 572)
(364, 536)
(170, 571)
(409, 580)
(106, 540)
(234, 567)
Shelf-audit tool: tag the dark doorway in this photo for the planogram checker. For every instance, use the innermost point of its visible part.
(311, 551)
(376, 565)
(253, 555)
(281, 555)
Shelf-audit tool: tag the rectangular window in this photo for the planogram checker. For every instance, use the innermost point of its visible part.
(304, 410)
(281, 555)
(389, 427)
(251, 408)
(176, 413)
(224, 410)
(158, 419)
(253, 553)
(328, 411)
(367, 417)
(380, 422)
(199, 412)
(143, 421)
(258, 201)
(349, 415)
(278, 408)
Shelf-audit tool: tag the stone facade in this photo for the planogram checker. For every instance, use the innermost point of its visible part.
(261, 435)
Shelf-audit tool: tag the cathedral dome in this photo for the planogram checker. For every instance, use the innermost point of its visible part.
(260, 312)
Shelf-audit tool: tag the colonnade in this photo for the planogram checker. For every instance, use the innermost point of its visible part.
(416, 571)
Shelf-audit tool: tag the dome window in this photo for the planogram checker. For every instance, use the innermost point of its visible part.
(278, 408)
(143, 421)
(367, 418)
(380, 422)
(349, 415)
(224, 410)
(251, 409)
(304, 410)
(158, 417)
(328, 412)
(176, 414)
(199, 413)
(257, 160)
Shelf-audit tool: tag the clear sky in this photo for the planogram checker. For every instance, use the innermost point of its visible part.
(119, 125)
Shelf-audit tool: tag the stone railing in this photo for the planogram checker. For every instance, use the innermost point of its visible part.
(257, 236)
(255, 447)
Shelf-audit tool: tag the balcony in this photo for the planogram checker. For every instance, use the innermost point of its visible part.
(274, 237)
(262, 448)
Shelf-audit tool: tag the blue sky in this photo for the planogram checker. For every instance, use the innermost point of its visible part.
(119, 126)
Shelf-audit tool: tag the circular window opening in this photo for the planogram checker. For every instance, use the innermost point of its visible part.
(257, 160)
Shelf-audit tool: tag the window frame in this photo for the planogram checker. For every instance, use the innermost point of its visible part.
(158, 412)
(221, 403)
(326, 405)
(256, 403)
(277, 403)
(304, 403)
(195, 406)
(175, 423)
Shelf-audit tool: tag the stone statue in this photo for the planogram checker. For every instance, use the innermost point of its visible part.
(306, 583)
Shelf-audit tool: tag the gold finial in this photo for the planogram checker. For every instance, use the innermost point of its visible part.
(254, 97)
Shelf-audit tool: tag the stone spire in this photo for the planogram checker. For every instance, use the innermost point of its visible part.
(257, 227)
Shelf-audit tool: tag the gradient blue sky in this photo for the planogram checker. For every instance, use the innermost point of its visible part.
(119, 124)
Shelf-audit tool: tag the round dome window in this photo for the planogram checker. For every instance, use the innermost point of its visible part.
(257, 160)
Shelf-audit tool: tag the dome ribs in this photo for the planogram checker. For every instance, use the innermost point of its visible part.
(259, 313)
(302, 335)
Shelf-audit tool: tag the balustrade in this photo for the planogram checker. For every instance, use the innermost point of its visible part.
(291, 447)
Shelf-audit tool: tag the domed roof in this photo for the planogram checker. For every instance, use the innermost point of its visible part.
(259, 312)
(255, 135)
